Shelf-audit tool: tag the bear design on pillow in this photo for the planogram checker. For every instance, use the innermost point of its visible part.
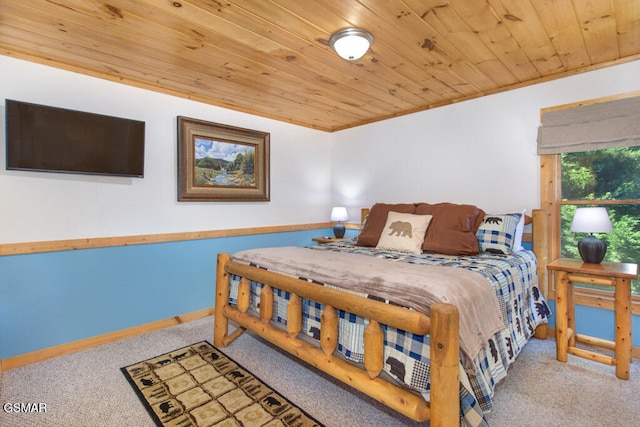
(400, 229)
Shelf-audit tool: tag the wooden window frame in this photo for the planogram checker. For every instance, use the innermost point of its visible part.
(551, 201)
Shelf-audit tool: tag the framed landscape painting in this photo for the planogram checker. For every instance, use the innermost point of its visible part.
(220, 162)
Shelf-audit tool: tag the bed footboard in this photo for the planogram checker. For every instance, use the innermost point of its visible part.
(444, 409)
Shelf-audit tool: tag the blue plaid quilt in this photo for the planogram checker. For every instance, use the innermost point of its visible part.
(515, 281)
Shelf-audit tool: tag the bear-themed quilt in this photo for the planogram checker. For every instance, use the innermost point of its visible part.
(514, 279)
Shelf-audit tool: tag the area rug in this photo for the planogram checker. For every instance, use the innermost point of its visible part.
(200, 386)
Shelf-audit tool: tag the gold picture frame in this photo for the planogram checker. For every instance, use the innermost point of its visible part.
(219, 162)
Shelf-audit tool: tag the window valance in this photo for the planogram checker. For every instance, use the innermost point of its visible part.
(609, 124)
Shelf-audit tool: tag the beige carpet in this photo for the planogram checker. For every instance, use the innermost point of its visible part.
(539, 390)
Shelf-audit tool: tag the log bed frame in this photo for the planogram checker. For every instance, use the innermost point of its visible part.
(444, 408)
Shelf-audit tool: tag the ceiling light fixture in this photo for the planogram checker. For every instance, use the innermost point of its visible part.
(351, 43)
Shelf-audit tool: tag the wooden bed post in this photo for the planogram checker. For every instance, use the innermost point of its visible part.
(445, 366)
(220, 322)
(540, 246)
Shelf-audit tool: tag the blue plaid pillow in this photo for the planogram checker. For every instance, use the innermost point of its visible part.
(497, 233)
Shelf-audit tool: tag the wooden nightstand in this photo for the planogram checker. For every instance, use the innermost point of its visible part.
(618, 275)
(322, 240)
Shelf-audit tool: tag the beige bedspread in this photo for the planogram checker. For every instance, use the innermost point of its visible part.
(411, 285)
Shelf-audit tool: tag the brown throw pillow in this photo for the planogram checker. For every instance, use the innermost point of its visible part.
(453, 228)
(377, 219)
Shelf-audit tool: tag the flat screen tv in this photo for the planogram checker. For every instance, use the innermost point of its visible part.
(50, 139)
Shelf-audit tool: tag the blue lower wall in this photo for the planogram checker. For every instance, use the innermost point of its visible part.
(55, 298)
(49, 299)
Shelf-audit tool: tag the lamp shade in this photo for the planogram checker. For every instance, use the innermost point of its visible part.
(339, 214)
(351, 43)
(591, 220)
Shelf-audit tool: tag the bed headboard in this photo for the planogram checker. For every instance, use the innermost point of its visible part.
(363, 214)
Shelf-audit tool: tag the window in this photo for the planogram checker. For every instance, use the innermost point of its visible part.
(589, 156)
(607, 178)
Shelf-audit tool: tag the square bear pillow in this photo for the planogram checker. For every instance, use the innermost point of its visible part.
(404, 232)
(498, 233)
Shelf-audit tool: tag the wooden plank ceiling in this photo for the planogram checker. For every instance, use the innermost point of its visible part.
(271, 58)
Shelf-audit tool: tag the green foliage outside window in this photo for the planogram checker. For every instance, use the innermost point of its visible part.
(611, 175)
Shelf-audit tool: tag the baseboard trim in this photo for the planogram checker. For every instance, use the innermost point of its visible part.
(83, 344)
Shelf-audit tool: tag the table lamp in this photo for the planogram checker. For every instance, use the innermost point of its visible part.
(339, 214)
(592, 220)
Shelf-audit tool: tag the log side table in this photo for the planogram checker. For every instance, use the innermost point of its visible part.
(618, 275)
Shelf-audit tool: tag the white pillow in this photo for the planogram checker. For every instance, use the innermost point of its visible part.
(404, 232)
(517, 242)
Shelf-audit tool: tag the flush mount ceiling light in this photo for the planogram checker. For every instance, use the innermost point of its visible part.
(351, 43)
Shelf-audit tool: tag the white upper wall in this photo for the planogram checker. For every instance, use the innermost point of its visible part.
(481, 152)
(37, 206)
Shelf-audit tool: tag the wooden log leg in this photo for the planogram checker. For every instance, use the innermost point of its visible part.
(561, 316)
(220, 322)
(541, 332)
(445, 366)
(623, 327)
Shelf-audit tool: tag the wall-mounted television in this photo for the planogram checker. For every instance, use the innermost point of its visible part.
(50, 139)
